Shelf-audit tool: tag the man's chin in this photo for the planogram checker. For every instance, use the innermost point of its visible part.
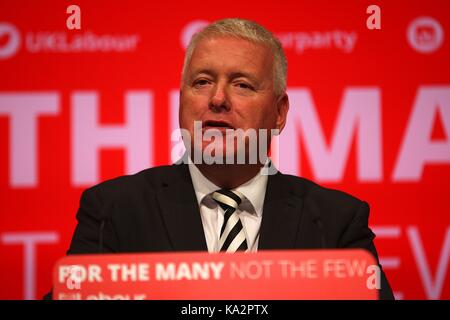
(209, 156)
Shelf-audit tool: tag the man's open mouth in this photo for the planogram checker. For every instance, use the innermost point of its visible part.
(216, 124)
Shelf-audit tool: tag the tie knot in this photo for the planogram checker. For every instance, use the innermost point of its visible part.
(227, 198)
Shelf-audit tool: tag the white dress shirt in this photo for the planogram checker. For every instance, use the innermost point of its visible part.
(250, 209)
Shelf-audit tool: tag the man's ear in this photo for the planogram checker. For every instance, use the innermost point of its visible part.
(282, 111)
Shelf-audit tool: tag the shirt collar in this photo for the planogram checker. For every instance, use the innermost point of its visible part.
(254, 189)
(202, 185)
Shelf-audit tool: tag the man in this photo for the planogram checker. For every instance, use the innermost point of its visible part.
(234, 78)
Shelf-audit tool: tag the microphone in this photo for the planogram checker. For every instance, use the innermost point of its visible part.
(319, 224)
(100, 236)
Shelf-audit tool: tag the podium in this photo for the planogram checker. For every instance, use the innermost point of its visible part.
(265, 275)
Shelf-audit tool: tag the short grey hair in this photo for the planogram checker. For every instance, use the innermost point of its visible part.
(247, 30)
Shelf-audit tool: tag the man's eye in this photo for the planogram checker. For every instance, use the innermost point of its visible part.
(244, 85)
(201, 82)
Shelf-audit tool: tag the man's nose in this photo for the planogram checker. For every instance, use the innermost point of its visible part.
(219, 100)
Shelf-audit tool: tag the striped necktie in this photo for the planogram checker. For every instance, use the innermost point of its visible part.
(232, 235)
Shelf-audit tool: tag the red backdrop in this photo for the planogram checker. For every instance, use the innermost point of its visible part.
(370, 114)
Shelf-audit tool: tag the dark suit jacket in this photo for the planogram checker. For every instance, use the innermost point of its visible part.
(156, 210)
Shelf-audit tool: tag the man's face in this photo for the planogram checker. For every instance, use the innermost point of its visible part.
(229, 84)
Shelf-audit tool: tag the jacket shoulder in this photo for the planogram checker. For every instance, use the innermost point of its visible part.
(147, 179)
(326, 197)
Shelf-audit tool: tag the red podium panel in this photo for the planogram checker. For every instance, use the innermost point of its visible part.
(266, 275)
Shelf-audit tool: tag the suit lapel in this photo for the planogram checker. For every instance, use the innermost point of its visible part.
(180, 211)
(282, 212)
